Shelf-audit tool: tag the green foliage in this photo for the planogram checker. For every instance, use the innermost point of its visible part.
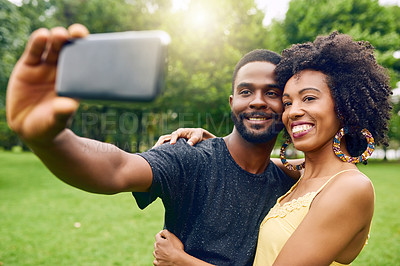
(38, 13)
(14, 30)
(394, 12)
(208, 38)
(203, 55)
(13, 35)
(306, 19)
(394, 130)
(8, 139)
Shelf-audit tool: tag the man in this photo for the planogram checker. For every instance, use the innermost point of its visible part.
(215, 194)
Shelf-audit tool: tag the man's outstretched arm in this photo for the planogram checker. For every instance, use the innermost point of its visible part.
(94, 166)
(39, 117)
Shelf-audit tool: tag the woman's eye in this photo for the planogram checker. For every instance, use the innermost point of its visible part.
(309, 98)
(286, 104)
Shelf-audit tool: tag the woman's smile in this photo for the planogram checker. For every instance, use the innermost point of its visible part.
(301, 129)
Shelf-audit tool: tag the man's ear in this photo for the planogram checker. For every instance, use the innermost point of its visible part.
(230, 100)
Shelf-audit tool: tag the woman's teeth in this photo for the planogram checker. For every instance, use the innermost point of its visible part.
(301, 128)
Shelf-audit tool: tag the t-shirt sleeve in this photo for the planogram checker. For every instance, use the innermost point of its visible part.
(171, 166)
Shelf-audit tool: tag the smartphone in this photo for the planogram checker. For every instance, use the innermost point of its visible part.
(118, 66)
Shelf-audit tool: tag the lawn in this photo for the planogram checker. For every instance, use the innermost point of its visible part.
(383, 247)
(45, 222)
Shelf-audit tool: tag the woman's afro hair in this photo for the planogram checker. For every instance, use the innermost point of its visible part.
(359, 85)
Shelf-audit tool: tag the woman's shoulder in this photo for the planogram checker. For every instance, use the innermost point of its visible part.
(350, 187)
(353, 180)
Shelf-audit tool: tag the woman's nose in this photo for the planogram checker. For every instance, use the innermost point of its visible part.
(295, 110)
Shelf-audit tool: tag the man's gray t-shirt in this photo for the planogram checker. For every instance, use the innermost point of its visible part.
(211, 204)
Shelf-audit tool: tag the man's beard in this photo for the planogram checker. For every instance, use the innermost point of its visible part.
(262, 137)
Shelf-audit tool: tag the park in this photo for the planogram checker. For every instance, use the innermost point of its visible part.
(45, 222)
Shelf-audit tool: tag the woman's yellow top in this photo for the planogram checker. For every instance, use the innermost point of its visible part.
(281, 222)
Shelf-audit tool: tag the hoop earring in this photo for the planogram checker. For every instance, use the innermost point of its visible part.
(289, 166)
(363, 157)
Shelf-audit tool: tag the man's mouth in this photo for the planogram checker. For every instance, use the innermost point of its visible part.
(257, 118)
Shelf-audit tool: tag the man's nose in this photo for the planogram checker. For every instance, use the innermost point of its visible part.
(258, 101)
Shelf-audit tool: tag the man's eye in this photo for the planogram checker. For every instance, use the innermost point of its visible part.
(244, 92)
(272, 93)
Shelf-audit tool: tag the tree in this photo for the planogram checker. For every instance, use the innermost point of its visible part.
(208, 38)
(13, 35)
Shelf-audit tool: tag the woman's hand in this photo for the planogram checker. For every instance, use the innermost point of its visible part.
(193, 135)
(167, 249)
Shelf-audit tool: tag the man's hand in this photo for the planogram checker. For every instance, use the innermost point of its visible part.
(34, 111)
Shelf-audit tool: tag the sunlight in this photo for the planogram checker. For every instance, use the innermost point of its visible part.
(196, 16)
(178, 5)
(200, 18)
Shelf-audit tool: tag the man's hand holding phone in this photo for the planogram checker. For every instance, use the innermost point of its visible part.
(34, 111)
(126, 66)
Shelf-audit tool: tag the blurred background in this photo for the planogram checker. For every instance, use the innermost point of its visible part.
(208, 38)
(45, 222)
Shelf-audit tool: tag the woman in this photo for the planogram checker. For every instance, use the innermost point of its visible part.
(336, 97)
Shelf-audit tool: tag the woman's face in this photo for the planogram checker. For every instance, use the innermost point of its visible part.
(309, 114)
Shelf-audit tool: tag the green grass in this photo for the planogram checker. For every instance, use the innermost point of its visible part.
(383, 247)
(38, 213)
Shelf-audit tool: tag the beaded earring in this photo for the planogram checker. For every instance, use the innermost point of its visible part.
(364, 156)
(285, 162)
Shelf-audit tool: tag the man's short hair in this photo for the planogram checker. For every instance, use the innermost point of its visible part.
(258, 55)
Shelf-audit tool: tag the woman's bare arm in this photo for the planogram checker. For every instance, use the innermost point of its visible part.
(336, 226)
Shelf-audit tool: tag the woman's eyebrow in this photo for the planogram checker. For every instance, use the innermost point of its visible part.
(306, 89)
(302, 91)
